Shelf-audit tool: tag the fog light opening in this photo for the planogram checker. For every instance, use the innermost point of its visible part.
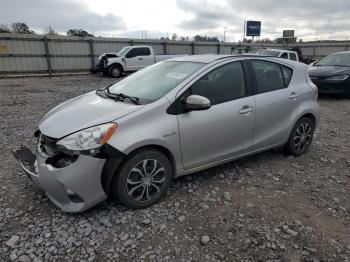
(73, 196)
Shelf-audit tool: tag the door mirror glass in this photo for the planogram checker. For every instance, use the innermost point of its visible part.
(196, 102)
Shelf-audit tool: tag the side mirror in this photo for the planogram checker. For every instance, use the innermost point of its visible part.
(196, 103)
(129, 55)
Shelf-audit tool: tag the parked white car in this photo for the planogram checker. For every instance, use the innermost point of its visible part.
(286, 54)
(128, 59)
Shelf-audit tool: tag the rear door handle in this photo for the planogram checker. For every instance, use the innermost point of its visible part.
(293, 95)
(140, 58)
(246, 109)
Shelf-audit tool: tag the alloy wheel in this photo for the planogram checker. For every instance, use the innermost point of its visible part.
(302, 137)
(145, 180)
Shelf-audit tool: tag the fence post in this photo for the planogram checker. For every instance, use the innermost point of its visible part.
(92, 53)
(193, 49)
(219, 47)
(314, 52)
(47, 54)
(165, 51)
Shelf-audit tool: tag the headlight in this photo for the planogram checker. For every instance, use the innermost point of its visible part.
(90, 138)
(338, 78)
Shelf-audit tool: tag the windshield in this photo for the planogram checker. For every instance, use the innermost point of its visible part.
(269, 53)
(155, 81)
(342, 59)
(123, 51)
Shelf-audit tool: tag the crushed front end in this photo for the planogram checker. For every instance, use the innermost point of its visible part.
(72, 181)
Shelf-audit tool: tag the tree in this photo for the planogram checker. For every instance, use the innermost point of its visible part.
(78, 32)
(174, 37)
(206, 38)
(21, 28)
(4, 29)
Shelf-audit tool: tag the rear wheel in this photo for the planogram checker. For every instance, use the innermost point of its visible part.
(115, 71)
(301, 137)
(143, 179)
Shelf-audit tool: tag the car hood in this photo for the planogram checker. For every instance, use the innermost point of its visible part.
(327, 71)
(82, 112)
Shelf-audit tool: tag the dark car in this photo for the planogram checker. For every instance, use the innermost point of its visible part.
(332, 74)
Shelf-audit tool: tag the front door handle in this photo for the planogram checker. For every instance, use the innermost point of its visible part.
(140, 58)
(293, 95)
(246, 109)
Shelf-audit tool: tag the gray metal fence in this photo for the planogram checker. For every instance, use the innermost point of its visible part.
(51, 54)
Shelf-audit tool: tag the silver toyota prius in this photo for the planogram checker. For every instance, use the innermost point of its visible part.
(180, 116)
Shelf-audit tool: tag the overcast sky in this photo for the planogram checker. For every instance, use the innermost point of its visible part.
(311, 19)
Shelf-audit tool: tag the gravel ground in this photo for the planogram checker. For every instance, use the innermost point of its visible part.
(268, 207)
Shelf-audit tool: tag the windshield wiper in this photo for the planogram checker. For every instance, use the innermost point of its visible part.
(121, 96)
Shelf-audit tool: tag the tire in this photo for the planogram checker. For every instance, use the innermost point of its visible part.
(301, 137)
(134, 179)
(115, 71)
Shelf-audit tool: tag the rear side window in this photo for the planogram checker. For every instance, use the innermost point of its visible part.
(144, 51)
(293, 56)
(222, 84)
(268, 76)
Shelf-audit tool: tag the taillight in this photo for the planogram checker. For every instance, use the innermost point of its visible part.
(311, 84)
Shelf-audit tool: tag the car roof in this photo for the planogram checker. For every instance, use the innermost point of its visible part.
(209, 58)
(344, 52)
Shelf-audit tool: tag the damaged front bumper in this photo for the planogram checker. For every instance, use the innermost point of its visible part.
(73, 187)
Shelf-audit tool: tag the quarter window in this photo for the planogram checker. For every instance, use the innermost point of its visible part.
(268, 76)
(287, 75)
(221, 85)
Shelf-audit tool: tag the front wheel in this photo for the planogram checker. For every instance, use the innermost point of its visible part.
(301, 137)
(115, 71)
(143, 179)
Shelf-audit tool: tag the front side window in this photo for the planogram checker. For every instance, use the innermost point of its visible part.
(155, 81)
(284, 56)
(138, 51)
(268, 76)
(222, 84)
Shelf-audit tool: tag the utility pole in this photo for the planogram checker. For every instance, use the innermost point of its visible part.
(244, 29)
(225, 34)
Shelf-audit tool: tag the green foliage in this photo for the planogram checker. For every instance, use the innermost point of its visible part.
(21, 28)
(206, 38)
(4, 29)
(78, 32)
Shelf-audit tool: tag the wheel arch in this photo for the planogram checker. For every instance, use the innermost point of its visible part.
(112, 165)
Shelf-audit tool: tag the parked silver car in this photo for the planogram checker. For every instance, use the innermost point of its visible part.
(173, 118)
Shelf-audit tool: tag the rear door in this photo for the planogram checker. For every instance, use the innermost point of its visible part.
(226, 129)
(276, 103)
(138, 58)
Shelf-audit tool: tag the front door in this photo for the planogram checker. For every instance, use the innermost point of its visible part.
(223, 131)
(138, 58)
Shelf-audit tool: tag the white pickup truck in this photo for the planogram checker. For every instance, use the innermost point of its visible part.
(128, 59)
(286, 54)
